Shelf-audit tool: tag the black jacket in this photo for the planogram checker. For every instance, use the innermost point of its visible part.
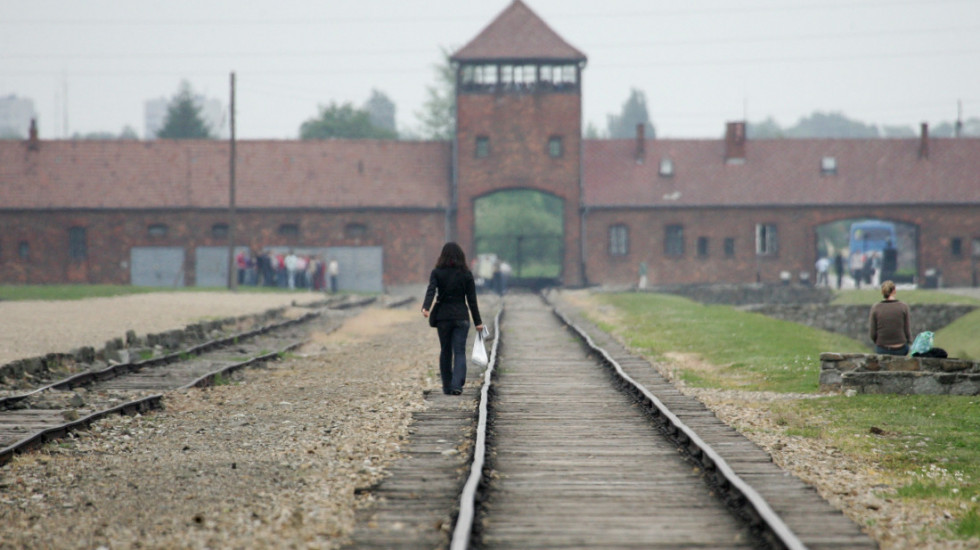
(455, 289)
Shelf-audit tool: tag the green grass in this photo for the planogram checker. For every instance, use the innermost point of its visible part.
(959, 338)
(926, 448)
(755, 352)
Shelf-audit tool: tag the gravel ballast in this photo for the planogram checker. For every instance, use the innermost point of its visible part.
(275, 458)
(271, 460)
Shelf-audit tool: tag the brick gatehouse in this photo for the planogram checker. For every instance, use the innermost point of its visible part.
(692, 211)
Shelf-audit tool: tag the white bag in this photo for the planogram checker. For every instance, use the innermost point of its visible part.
(479, 355)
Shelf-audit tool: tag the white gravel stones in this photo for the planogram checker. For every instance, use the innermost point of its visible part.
(273, 459)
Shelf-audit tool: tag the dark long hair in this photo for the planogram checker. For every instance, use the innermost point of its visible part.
(452, 256)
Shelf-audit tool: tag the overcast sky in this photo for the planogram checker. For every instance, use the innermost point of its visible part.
(90, 65)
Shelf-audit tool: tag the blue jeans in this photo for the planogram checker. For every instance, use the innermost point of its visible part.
(452, 357)
(904, 350)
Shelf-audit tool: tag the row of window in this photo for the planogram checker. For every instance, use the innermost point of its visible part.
(766, 241)
(554, 148)
(492, 76)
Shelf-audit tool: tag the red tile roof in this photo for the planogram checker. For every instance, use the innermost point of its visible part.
(783, 172)
(518, 33)
(194, 174)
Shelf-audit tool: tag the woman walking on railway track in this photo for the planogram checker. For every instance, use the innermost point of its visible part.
(451, 282)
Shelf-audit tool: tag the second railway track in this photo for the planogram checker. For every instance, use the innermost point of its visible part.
(51, 411)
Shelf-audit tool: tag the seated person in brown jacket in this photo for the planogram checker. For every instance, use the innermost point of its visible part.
(889, 325)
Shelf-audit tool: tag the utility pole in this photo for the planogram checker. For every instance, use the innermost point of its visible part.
(232, 265)
(959, 118)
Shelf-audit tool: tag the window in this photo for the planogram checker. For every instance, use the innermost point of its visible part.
(702, 247)
(828, 166)
(956, 247)
(674, 240)
(766, 240)
(482, 147)
(289, 230)
(24, 250)
(77, 245)
(729, 247)
(506, 74)
(157, 230)
(554, 146)
(666, 168)
(619, 240)
(355, 230)
(219, 231)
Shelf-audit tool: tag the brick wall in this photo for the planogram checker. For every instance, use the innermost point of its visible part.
(519, 127)
(411, 240)
(797, 249)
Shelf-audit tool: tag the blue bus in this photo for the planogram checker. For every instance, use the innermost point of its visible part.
(869, 240)
(871, 236)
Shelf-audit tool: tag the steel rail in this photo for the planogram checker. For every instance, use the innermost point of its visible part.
(61, 430)
(709, 458)
(153, 401)
(463, 531)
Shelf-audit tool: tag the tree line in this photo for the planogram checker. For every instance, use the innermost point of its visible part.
(375, 119)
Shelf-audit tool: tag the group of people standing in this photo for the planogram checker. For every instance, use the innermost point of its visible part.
(289, 270)
(863, 268)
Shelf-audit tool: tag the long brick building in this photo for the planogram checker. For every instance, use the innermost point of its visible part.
(689, 211)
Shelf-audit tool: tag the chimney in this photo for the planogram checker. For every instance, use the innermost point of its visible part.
(735, 142)
(640, 143)
(33, 143)
(924, 142)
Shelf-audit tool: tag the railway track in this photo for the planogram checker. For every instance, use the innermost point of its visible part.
(574, 443)
(47, 412)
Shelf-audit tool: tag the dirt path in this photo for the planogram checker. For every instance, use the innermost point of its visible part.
(33, 328)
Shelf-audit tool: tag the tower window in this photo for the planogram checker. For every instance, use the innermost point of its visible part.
(219, 231)
(289, 230)
(24, 250)
(554, 146)
(482, 147)
(729, 247)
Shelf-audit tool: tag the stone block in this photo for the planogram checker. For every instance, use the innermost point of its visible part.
(830, 380)
(901, 383)
(966, 385)
(831, 356)
(850, 365)
(899, 363)
(928, 385)
(953, 365)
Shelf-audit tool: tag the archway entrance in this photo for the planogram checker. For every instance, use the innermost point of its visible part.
(872, 250)
(523, 229)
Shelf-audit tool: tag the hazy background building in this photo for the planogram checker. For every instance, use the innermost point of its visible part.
(15, 116)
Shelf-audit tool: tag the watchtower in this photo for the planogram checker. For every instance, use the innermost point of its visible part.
(519, 128)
